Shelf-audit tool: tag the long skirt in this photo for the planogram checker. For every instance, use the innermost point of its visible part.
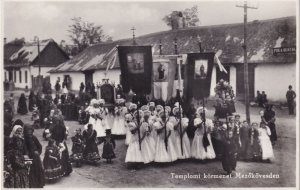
(118, 126)
(98, 126)
(266, 148)
(161, 154)
(228, 162)
(128, 136)
(108, 151)
(53, 169)
(36, 174)
(172, 147)
(148, 149)
(198, 151)
(20, 178)
(186, 147)
(134, 154)
(65, 161)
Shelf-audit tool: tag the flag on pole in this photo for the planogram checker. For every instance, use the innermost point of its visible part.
(199, 71)
(135, 63)
(110, 58)
(221, 67)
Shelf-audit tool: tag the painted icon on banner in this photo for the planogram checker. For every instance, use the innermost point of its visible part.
(160, 71)
(135, 63)
(201, 69)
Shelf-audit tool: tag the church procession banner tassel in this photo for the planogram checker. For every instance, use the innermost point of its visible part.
(179, 98)
(166, 139)
(138, 122)
(181, 135)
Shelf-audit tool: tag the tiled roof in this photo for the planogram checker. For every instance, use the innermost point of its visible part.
(225, 40)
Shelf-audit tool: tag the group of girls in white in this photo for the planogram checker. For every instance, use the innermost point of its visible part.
(158, 134)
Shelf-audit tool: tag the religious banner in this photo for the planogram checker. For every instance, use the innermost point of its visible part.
(136, 64)
(199, 71)
(164, 69)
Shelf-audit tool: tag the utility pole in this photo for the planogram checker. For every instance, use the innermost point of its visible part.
(38, 46)
(246, 73)
(175, 46)
(133, 36)
(39, 78)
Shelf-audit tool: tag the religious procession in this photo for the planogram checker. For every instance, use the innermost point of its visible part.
(193, 106)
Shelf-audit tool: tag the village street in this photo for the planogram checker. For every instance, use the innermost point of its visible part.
(117, 175)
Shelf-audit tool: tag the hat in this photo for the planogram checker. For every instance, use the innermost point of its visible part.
(128, 117)
(147, 113)
(175, 110)
(151, 104)
(141, 114)
(93, 102)
(162, 113)
(16, 127)
(168, 109)
(237, 115)
(132, 107)
(101, 101)
(145, 107)
(159, 108)
(200, 110)
(18, 122)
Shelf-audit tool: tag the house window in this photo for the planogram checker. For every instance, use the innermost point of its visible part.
(5, 75)
(15, 76)
(26, 77)
(20, 76)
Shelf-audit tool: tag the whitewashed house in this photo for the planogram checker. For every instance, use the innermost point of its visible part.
(22, 61)
(271, 55)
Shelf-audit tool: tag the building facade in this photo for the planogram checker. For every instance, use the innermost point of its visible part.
(26, 62)
(266, 68)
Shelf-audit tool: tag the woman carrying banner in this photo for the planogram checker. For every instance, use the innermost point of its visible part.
(161, 153)
(134, 156)
(185, 152)
(148, 143)
(202, 148)
(119, 122)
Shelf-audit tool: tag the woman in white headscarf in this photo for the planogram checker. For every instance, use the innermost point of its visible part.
(16, 156)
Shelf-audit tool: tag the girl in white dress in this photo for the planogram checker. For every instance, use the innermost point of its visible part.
(161, 153)
(119, 122)
(134, 154)
(186, 145)
(198, 150)
(265, 142)
(128, 119)
(172, 141)
(148, 143)
(104, 114)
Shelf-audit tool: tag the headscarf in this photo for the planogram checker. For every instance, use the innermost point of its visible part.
(13, 132)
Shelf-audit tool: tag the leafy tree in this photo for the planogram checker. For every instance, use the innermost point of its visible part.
(190, 17)
(84, 34)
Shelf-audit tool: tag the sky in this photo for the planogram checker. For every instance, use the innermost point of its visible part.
(51, 19)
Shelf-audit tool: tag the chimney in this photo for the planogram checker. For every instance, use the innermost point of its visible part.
(4, 41)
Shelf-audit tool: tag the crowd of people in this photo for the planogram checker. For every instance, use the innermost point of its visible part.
(154, 132)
